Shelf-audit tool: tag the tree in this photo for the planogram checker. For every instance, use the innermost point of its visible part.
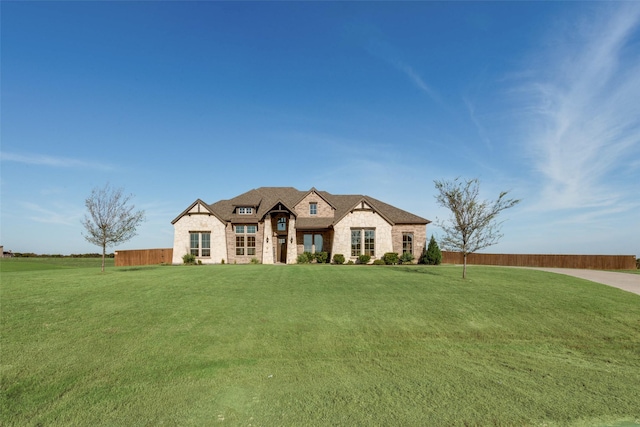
(472, 225)
(433, 256)
(111, 219)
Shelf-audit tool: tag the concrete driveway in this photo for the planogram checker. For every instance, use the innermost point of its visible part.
(625, 281)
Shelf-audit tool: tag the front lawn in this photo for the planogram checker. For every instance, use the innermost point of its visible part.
(316, 345)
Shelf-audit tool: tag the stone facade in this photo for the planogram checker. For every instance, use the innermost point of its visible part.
(324, 209)
(334, 219)
(233, 258)
(419, 238)
(268, 248)
(199, 222)
(365, 219)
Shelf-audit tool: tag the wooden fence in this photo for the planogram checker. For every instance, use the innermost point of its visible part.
(143, 257)
(593, 262)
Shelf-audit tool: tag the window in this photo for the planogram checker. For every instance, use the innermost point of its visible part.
(407, 243)
(313, 208)
(363, 242)
(245, 210)
(200, 243)
(312, 243)
(246, 239)
(370, 242)
(282, 224)
(308, 242)
(356, 242)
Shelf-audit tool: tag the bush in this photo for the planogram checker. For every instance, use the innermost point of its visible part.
(350, 262)
(406, 258)
(338, 259)
(433, 256)
(364, 259)
(379, 262)
(638, 263)
(390, 258)
(322, 257)
(255, 261)
(305, 258)
(189, 259)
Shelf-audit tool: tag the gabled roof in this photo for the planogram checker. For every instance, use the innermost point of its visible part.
(264, 199)
(197, 208)
(348, 203)
(313, 190)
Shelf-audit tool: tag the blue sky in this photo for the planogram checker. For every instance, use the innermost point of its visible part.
(176, 101)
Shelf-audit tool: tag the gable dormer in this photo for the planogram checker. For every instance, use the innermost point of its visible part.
(245, 210)
(314, 205)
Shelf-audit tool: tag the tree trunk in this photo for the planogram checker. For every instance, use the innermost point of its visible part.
(464, 265)
(104, 250)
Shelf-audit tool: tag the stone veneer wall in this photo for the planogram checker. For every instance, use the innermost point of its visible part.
(267, 248)
(292, 250)
(324, 209)
(361, 219)
(419, 238)
(200, 223)
(231, 244)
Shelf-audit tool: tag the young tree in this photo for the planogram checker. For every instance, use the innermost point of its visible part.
(433, 256)
(111, 219)
(472, 225)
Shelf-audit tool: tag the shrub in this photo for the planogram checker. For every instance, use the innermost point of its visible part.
(222, 261)
(305, 258)
(390, 258)
(350, 262)
(433, 256)
(189, 259)
(338, 259)
(379, 262)
(406, 258)
(364, 259)
(638, 263)
(255, 261)
(322, 257)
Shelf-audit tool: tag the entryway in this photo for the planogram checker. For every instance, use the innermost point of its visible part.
(282, 250)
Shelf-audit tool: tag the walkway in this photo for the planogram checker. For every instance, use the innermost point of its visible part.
(625, 281)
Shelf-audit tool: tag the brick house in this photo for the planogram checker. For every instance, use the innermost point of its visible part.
(276, 224)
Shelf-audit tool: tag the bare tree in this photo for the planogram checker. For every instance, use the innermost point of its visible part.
(472, 225)
(111, 219)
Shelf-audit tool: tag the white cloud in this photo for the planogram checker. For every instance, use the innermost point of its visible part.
(479, 127)
(416, 79)
(56, 214)
(52, 161)
(584, 114)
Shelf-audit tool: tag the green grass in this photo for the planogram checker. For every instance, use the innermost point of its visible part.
(43, 263)
(316, 345)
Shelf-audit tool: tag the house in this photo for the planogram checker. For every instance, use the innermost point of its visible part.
(276, 224)
(6, 254)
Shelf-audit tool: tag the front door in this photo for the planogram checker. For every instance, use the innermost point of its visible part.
(282, 249)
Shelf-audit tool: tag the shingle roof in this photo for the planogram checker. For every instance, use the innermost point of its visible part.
(264, 199)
